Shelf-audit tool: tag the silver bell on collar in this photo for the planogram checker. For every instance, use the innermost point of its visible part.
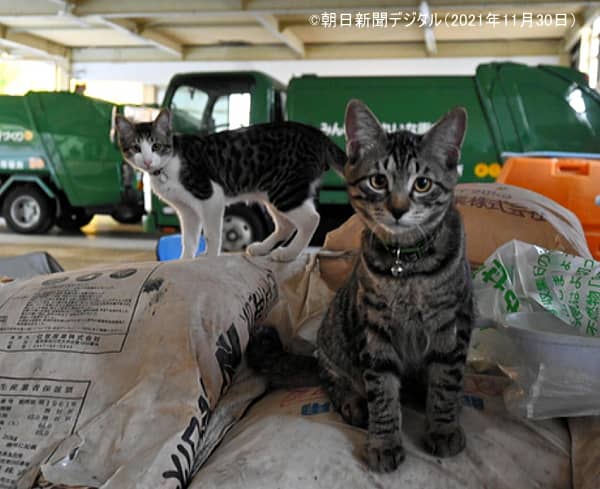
(396, 268)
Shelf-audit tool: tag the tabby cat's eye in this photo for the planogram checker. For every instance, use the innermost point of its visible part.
(136, 148)
(156, 147)
(422, 185)
(378, 182)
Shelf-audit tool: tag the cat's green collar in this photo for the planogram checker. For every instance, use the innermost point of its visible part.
(408, 254)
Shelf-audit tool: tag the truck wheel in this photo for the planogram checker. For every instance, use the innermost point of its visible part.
(28, 210)
(242, 225)
(127, 214)
(73, 218)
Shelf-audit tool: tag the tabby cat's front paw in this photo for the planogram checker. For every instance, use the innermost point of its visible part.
(384, 454)
(446, 443)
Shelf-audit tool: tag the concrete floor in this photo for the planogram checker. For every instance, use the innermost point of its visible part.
(100, 242)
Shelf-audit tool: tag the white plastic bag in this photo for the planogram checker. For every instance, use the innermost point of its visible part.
(524, 277)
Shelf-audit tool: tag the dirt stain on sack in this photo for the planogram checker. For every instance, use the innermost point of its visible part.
(153, 285)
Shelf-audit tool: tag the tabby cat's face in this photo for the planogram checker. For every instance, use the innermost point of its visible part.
(402, 183)
(146, 145)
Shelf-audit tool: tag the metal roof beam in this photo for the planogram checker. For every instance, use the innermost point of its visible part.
(158, 8)
(585, 20)
(148, 36)
(285, 35)
(40, 46)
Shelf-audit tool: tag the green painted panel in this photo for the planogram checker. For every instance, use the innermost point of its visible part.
(29, 178)
(412, 103)
(548, 109)
(74, 131)
(333, 196)
(19, 140)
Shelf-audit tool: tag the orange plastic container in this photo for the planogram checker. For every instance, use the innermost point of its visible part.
(573, 183)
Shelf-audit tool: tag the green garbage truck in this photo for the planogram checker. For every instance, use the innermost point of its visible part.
(58, 165)
(512, 108)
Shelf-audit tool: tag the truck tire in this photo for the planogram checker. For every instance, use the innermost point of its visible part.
(127, 214)
(242, 225)
(28, 210)
(73, 218)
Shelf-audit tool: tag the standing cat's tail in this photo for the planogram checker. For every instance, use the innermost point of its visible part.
(266, 356)
(337, 158)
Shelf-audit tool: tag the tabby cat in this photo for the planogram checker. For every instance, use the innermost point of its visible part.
(277, 164)
(403, 319)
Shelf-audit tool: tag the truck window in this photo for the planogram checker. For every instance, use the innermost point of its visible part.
(196, 111)
(189, 106)
(231, 111)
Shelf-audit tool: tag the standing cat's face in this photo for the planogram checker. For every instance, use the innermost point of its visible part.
(401, 182)
(146, 145)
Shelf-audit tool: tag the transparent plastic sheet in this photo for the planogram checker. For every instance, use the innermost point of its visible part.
(545, 305)
(544, 392)
(28, 265)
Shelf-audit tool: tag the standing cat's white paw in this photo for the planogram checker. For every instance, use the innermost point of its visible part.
(283, 254)
(257, 249)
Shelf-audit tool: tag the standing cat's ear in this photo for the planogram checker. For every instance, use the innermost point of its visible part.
(125, 130)
(445, 138)
(363, 131)
(162, 123)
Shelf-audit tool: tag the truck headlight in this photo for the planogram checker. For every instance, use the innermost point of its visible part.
(35, 163)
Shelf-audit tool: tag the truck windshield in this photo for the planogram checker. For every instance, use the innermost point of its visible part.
(198, 111)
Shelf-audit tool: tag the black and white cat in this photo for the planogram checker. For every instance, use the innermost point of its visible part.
(277, 164)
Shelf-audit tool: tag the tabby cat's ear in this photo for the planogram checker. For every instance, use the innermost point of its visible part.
(162, 123)
(125, 130)
(363, 131)
(445, 138)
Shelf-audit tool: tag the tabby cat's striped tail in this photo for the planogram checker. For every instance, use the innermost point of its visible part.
(266, 356)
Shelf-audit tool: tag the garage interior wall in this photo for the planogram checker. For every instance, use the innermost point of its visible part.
(158, 74)
(127, 50)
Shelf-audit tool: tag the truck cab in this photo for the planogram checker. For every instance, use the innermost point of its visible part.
(58, 166)
(204, 103)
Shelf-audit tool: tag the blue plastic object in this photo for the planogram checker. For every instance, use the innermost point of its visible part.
(169, 247)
